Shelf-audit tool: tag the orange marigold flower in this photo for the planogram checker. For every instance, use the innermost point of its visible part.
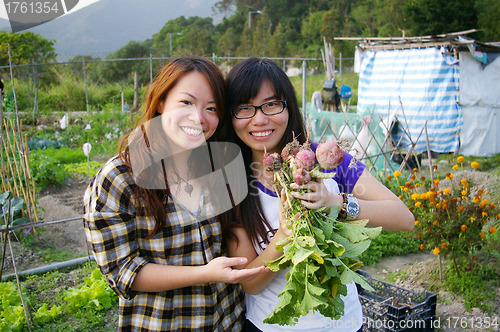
(419, 235)
(436, 182)
(474, 164)
(454, 199)
(474, 258)
(460, 159)
(471, 219)
(408, 184)
(397, 174)
(484, 202)
(447, 191)
(444, 245)
(451, 176)
(460, 208)
(422, 178)
(484, 214)
(498, 216)
(416, 222)
(445, 206)
(405, 189)
(433, 188)
(428, 229)
(435, 223)
(477, 199)
(414, 170)
(487, 192)
(434, 167)
(463, 197)
(413, 177)
(482, 235)
(493, 230)
(464, 192)
(463, 181)
(479, 192)
(400, 197)
(417, 204)
(422, 246)
(415, 196)
(463, 228)
(389, 177)
(455, 167)
(436, 251)
(440, 192)
(492, 206)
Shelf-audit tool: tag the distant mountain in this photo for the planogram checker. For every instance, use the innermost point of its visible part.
(106, 25)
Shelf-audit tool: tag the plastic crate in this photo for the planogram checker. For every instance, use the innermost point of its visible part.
(393, 308)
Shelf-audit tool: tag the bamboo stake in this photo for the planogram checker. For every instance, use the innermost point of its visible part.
(6, 220)
(12, 148)
(26, 312)
(32, 192)
(16, 191)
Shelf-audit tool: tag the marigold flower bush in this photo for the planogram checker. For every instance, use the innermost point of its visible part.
(453, 213)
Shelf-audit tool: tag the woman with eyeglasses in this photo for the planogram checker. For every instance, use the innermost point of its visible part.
(264, 116)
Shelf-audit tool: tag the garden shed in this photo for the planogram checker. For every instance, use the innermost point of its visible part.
(449, 83)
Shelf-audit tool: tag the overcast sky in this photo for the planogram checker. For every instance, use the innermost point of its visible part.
(81, 4)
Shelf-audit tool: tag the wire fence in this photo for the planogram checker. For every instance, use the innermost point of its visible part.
(128, 75)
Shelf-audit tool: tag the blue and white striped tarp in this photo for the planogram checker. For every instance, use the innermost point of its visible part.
(422, 82)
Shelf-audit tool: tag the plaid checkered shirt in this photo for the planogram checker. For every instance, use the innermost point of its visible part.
(117, 236)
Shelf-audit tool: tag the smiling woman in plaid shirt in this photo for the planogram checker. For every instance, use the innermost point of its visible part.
(153, 227)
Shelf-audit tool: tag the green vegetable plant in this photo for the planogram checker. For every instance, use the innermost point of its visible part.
(322, 252)
(15, 214)
(96, 293)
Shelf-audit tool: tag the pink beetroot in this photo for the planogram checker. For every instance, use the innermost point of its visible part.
(290, 150)
(329, 154)
(301, 176)
(272, 162)
(305, 159)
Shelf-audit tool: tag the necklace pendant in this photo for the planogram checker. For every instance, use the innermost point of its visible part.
(188, 189)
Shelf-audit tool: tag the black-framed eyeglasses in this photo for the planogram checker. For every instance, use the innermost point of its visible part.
(269, 108)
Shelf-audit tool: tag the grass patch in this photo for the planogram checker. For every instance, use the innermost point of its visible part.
(389, 244)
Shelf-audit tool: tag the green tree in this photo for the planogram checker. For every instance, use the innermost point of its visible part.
(262, 35)
(119, 71)
(278, 46)
(26, 47)
(197, 37)
(488, 13)
(434, 17)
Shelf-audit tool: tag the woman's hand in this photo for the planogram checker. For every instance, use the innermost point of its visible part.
(220, 269)
(318, 196)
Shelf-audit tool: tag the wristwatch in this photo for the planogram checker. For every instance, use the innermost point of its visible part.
(350, 207)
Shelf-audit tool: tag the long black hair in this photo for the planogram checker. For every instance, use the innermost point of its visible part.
(243, 84)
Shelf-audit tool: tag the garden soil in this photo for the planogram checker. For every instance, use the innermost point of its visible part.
(414, 272)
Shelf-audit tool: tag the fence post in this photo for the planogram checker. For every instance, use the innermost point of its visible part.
(340, 66)
(150, 68)
(36, 92)
(13, 87)
(85, 84)
(304, 96)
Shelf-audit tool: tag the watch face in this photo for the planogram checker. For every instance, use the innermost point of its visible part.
(352, 208)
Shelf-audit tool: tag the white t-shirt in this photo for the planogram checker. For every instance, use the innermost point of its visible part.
(262, 304)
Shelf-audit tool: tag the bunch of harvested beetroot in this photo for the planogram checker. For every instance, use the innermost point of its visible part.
(321, 254)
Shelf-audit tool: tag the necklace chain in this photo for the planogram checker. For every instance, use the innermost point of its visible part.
(188, 188)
